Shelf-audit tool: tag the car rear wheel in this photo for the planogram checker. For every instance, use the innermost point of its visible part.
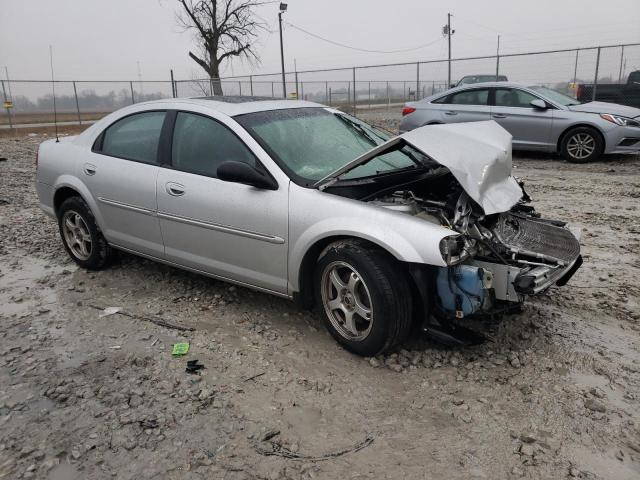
(363, 297)
(81, 237)
(582, 145)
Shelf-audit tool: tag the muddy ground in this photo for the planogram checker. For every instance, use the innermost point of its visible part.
(554, 393)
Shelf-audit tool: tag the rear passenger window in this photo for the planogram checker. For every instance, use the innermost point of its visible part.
(200, 145)
(469, 97)
(135, 137)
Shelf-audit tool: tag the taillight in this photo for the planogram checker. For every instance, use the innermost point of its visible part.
(407, 110)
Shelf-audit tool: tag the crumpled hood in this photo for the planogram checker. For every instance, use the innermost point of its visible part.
(478, 154)
(605, 107)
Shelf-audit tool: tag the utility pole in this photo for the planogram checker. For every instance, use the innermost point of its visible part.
(446, 30)
(283, 8)
(498, 59)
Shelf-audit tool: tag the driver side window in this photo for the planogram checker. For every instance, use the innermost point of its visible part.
(512, 97)
(200, 145)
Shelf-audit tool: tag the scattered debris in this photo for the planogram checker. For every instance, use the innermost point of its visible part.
(281, 451)
(109, 311)
(158, 321)
(193, 366)
(253, 377)
(180, 349)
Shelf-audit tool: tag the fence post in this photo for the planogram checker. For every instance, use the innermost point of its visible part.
(297, 96)
(348, 93)
(240, 87)
(595, 80)
(251, 84)
(388, 97)
(272, 93)
(354, 91)
(173, 85)
(133, 100)
(75, 94)
(369, 94)
(302, 90)
(4, 93)
(326, 92)
(621, 59)
(329, 96)
(417, 80)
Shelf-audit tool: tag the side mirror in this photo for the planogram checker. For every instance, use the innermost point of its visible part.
(539, 104)
(240, 172)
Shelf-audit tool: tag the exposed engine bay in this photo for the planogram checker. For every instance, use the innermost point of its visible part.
(495, 258)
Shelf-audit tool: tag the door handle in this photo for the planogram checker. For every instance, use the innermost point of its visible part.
(174, 189)
(89, 169)
(499, 115)
(450, 112)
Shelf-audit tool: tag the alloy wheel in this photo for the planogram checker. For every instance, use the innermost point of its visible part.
(581, 146)
(76, 234)
(347, 301)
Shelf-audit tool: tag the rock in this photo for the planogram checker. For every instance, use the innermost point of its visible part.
(76, 454)
(596, 392)
(524, 438)
(595, 405)
(396, 368)
(574, 472)
(457, 401)
(135, 401)
(527, 449)
(374, 362)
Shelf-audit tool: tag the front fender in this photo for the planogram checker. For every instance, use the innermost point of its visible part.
(407, 238)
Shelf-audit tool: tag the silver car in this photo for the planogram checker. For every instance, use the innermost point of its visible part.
(538, 118)
(305, 202)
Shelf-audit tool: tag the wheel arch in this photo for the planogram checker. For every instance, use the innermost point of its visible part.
(304, 294)
(580, 125)
(68, 186)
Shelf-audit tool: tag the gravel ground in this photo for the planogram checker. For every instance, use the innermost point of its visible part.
(553, 394)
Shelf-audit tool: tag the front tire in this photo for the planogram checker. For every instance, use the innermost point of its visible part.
(582, 145)
(81, 236)
(363, 296)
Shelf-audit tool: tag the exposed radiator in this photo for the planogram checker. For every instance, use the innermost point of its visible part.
(530, 235)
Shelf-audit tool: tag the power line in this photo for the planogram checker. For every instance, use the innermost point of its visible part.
(360, 49)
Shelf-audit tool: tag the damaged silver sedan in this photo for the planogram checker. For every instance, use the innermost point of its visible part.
(293, 198)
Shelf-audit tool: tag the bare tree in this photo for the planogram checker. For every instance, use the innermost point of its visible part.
(225, 29)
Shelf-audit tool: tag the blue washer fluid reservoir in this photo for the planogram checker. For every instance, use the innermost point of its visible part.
(463, 289)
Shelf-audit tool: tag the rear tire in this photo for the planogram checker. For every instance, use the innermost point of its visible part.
(582, 145)
(81, 236)
(363, 296)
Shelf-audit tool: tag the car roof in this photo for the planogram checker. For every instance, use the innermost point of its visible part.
(236, 105)
(491, 84)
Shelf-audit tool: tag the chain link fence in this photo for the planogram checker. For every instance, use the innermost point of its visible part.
(600, 73)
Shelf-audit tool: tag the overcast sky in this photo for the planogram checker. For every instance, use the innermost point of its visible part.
(105, 39)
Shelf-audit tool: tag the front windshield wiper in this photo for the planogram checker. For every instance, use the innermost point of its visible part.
(359, 128)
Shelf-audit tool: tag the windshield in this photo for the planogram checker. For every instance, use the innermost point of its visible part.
(555, 96)
(311, 143)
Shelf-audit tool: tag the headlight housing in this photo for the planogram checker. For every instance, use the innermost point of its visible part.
(454, 249)
(618, 120)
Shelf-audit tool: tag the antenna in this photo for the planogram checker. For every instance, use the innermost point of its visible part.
(53, 86)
